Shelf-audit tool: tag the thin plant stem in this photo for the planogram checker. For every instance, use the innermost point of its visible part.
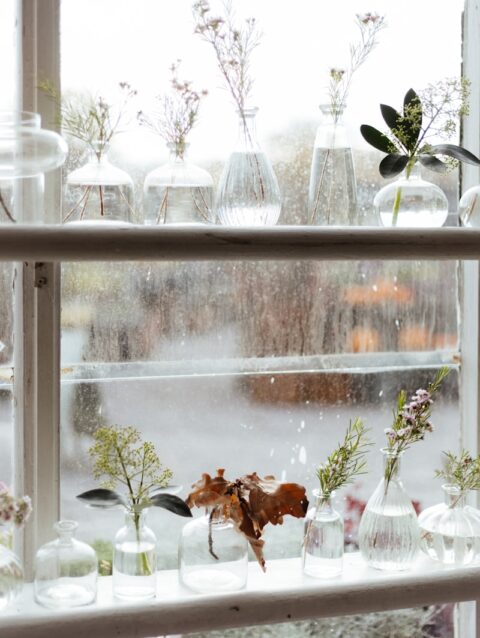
(84, 195)
(163, 208)
(398, 192)
(210, 533)
(102, 206)
(5, 209)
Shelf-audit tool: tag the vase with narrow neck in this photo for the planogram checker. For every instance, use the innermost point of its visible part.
(99, 192)
(389, 535)
(178, 192)
(65, 570)
(332, 192)
(450, 531)
(11, 572)
(411, 202)
(248, 193)
(212, 555)
(134, 559)
(322, 552)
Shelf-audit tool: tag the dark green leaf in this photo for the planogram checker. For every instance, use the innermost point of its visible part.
(171, 503)
(376, 138)
(393, 164)
(391, 116)
(433, 163)
(101, 497)
(170, 489)
(457, 152)
(412, 105)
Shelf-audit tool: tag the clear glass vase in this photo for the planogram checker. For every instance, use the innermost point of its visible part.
(134, 559)
(450, 531)
(248, 193)
(389, 534)
(11, 572)
(178, 192)
(213, 554)
(322, 552)
(411, 202)
(469, 207)
(65, 570)
(332, 192)
(99, 192)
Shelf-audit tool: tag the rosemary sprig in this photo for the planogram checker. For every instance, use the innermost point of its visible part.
(463, 471)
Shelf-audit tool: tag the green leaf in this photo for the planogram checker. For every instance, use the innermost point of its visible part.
(433, 163)
(101, 497)
(457, 152)
(391, 116)
(412, 106)
(393, 164)
(376, 138)
(171, 503)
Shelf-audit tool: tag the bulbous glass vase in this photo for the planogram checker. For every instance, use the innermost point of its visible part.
(178, 192)
(134, 559)
(411, 202)
(65, 570)
(450, 531)
(11, 572)
(248, 193)
(322, 552)
(332, 192)
(389, 535)
(212, 555)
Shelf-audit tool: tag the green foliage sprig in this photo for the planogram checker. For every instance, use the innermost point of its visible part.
(463, 471)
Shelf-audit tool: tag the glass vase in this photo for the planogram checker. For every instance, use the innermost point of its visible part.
(65, 570)
(99, 192)
(248, 193)
(450, 531)
(411, 202)
(134, 559)
(469, 207)
(389, 535)
(322, 552)
(213, 554)
(332, 192)
(178, 192)
(11, 572)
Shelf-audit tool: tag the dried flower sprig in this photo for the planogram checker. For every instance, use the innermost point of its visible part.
(15, 511)
(463, 471)
(346, 462)
(177, 112)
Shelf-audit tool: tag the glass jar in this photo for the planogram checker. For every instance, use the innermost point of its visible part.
(411, 202)
(389, 535)
(332, 192)
(178, 192)
(134, 559)
(213, 554)
(65, 570)
(450, 531)
(248, 193)
(322, 552)
(26, 153)
(11, 572)
(99, 192)
(469, 207)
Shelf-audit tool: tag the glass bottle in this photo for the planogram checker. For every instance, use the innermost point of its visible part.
(389, 535)
(65, 570)
(178, 192)
(213, 554)
(322, 552)
(248, 193)
(411, 202)
(450, 531)
(134, 559)
(99, 192)
(332, 192)
(11, 572)
(26, 153)
(469, 207)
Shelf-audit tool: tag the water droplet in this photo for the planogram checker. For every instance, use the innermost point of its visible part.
(302, 455)
(272, 452)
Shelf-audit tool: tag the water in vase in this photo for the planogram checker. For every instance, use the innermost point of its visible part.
(134, 570)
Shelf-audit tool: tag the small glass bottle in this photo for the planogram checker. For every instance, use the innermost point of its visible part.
(450, 531)
(11, 572)
(248, 192)
(178, 192)
(332, 192)
(135, 559)
(65, 570)
(322, 553)
(389, 535)
(213, 554)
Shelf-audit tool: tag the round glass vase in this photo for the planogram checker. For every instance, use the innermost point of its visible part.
(411, 202)
(322, 552)
(248, 192)
(134, 559)
(450, 531)
(212, 555)
(65, 570)
(178, 192)
(99, 192)
(26, 152)
(11, 572)
(389, 535)
(332, 192)
(469, 207)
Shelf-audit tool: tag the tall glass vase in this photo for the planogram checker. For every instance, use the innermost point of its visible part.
(389, 534)
(11, 572)
(322, 553)
(332, 193)
(248, 193)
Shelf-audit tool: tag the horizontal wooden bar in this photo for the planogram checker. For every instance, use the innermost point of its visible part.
(87, 242)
